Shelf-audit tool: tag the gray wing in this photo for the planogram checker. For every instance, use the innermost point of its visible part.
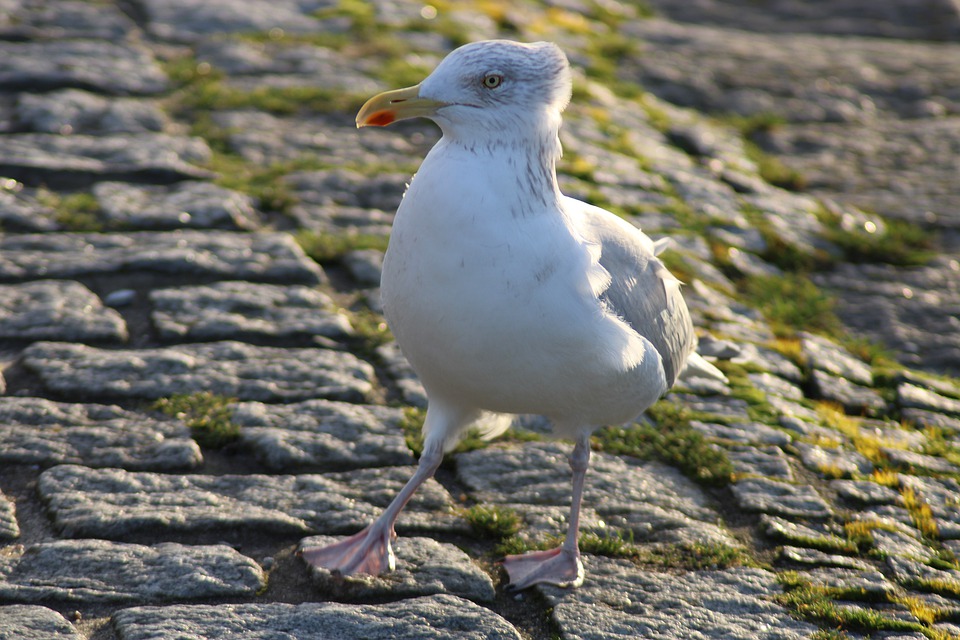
(642, 291)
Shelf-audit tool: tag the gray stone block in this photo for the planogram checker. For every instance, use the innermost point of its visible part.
(57, 310)
(41, 432)
(74, 161)
(72, 111)
(653, 501)
(800, 535)
(761, 461)
(780, 498)
(821, 559)
(112, 503)
(65, 19)
(231, 369)
(32, 622)
(911, 395)
(20, 210)
(321, 433)
(226, 310)
(108, 67)
(834, 462)
(197, 205)
(424, 567)
(9, 529)
(620, 600)
(186, 20)
(851, 396)
(195, 254)
(437, 617)
(100, 571)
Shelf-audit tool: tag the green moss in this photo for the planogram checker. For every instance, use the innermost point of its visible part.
(207, 414)
(75, 211)
(887, 241)
(493, 521)
(792, 303)
(672, 441)
(773, 170)
(330, 247)
(816, 604)
(412, 428)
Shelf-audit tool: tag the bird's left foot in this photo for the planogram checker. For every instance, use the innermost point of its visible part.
(559, 566)
(368, 552)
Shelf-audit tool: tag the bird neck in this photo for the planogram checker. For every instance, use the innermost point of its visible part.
(529, 157)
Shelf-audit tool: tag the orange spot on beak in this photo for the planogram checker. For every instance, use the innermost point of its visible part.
(381, 118)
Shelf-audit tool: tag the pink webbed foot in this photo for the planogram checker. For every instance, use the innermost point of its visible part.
(559, 566)
(368, 552)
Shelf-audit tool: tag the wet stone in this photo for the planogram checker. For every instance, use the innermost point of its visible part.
(779, 498)
(75, 161)
(321, 433)
(821, 558)
(865, 492)
(73, 111)
(424, 567)
(653, 501)
(760, 461)
(230, 310)
(106, 67)
(231, 369)
(838, 462)
(438, 617)
(41, 432)
(9, 529)
(200, 205)
(99, 571)
(111, 503)
(207, 254)
(57, 310)
(33, 622)
(851, 396)
(619, 600)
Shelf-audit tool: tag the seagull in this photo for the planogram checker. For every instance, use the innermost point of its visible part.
(508, 297)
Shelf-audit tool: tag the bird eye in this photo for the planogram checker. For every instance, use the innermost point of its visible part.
(492, 81)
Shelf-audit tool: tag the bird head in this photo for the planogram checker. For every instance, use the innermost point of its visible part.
(493, 85)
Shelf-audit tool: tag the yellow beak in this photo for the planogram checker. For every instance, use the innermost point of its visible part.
(390, 106)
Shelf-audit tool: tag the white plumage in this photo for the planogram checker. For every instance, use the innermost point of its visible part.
(508, 297)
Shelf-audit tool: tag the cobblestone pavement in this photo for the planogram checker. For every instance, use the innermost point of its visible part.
(197, 381)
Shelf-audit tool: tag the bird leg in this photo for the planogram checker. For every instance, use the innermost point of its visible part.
(370, 551)
(560, 566)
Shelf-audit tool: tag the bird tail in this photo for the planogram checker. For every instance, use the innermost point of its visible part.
(698, 367)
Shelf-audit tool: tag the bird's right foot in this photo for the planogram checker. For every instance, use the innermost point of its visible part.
(561, 567)
(368, 552)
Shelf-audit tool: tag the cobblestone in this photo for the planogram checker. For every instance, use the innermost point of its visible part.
(161, 162)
